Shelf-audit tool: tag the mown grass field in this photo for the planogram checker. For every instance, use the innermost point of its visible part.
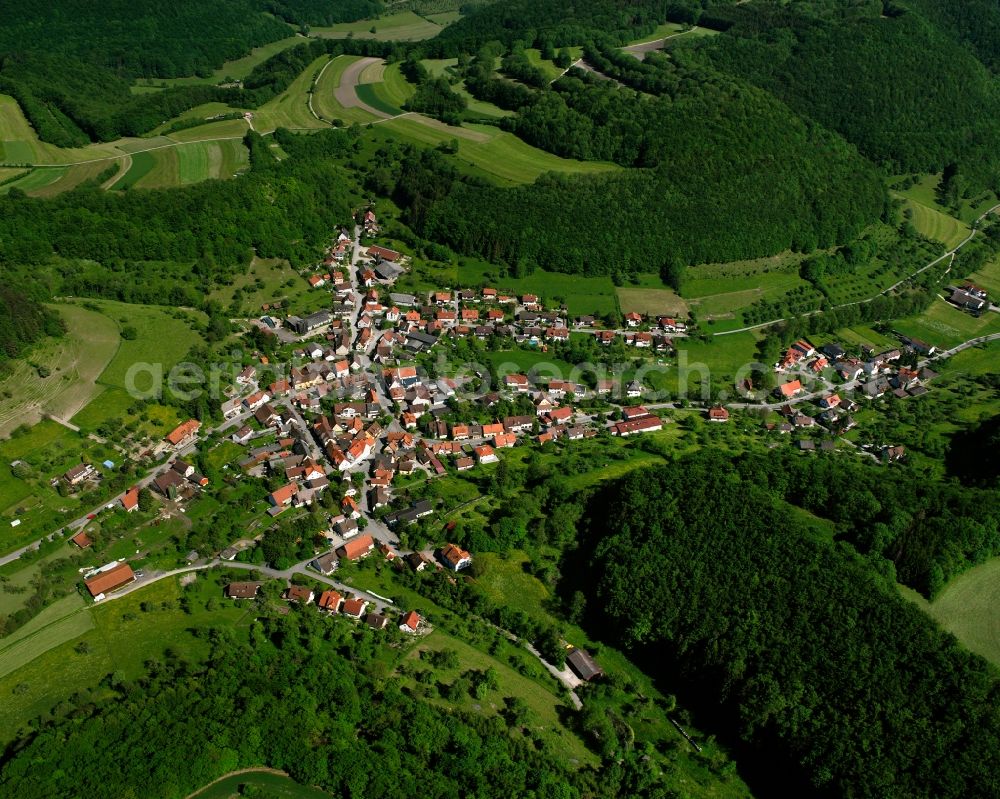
(290, 109)
(936, 224)
(403, 27)
(19, 144)
(74, 363)
(161, 338)
(924, 192)
(581, 295)
(969, 608)
(391, 88)
(651, 302)
(60, 622)
(498, 154)
(184, 164)
(139, 166)
(945, 326)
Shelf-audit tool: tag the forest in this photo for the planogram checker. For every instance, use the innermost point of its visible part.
(69, 64)
(172, 245)
(304, 695)
(905, 92)
(23, 321)
(836, 683)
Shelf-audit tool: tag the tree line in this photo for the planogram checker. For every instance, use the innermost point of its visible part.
(702, 569)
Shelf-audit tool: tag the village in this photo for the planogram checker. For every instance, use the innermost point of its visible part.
(345, 409)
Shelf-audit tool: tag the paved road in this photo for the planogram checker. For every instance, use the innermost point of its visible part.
(283, 574)
(80, 522)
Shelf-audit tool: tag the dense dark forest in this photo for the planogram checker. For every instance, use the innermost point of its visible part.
(905, 93)
(23, 321)
(825, 669)
(306, 696)
(644, 219)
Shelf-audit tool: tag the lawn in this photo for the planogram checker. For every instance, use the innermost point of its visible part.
(969, 608)
(404, 27)
(74, 362)
(945, 326)
(988, 276)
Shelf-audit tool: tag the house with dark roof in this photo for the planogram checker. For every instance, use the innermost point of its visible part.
(244, 590)
(583, 665)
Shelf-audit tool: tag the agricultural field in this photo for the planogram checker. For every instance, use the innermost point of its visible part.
(945, 326)
(969, 608)
(651, 302)
(73, 364)
(403, 27)
(388, 87)
(324, 98)
(19, 144)
(184, 164)
(60, 622)
(438, 67)
(290, 109)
